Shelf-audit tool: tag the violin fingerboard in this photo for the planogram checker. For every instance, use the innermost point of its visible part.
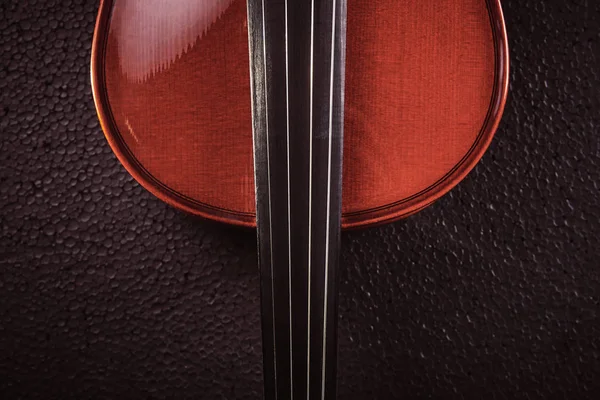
(297, 71)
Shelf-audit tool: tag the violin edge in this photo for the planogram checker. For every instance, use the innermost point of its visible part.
(405, 208)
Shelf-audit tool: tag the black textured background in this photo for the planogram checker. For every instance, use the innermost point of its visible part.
(492, 293)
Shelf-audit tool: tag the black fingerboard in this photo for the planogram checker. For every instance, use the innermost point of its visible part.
(297, 53)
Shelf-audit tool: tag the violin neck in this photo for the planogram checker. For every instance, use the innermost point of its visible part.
(297, 51)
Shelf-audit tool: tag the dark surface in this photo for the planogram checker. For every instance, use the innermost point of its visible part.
(491, 293)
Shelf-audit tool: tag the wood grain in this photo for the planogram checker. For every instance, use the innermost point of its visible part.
(425, 88)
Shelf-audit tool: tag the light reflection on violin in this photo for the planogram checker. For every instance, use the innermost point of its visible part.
(154, 33)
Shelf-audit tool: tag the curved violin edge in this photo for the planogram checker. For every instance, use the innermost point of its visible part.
(368, 218)
(396, 212)
(109, 128)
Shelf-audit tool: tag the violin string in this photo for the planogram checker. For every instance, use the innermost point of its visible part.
(327, 227)
(312, 48)
(264, 33)
(289, 207)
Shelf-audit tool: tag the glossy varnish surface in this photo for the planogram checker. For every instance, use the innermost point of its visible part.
(425, 87)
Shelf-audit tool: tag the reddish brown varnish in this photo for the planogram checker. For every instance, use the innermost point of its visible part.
(426, 83)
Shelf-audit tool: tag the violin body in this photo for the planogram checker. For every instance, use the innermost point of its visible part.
(299, 118)
(425, 87)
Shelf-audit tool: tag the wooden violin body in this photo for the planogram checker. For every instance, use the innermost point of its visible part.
(426, 83)
(299, 118)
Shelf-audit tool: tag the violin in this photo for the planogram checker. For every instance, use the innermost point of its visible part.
(299, 118)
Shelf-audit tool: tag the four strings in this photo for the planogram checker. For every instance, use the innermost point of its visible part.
(328, 208)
